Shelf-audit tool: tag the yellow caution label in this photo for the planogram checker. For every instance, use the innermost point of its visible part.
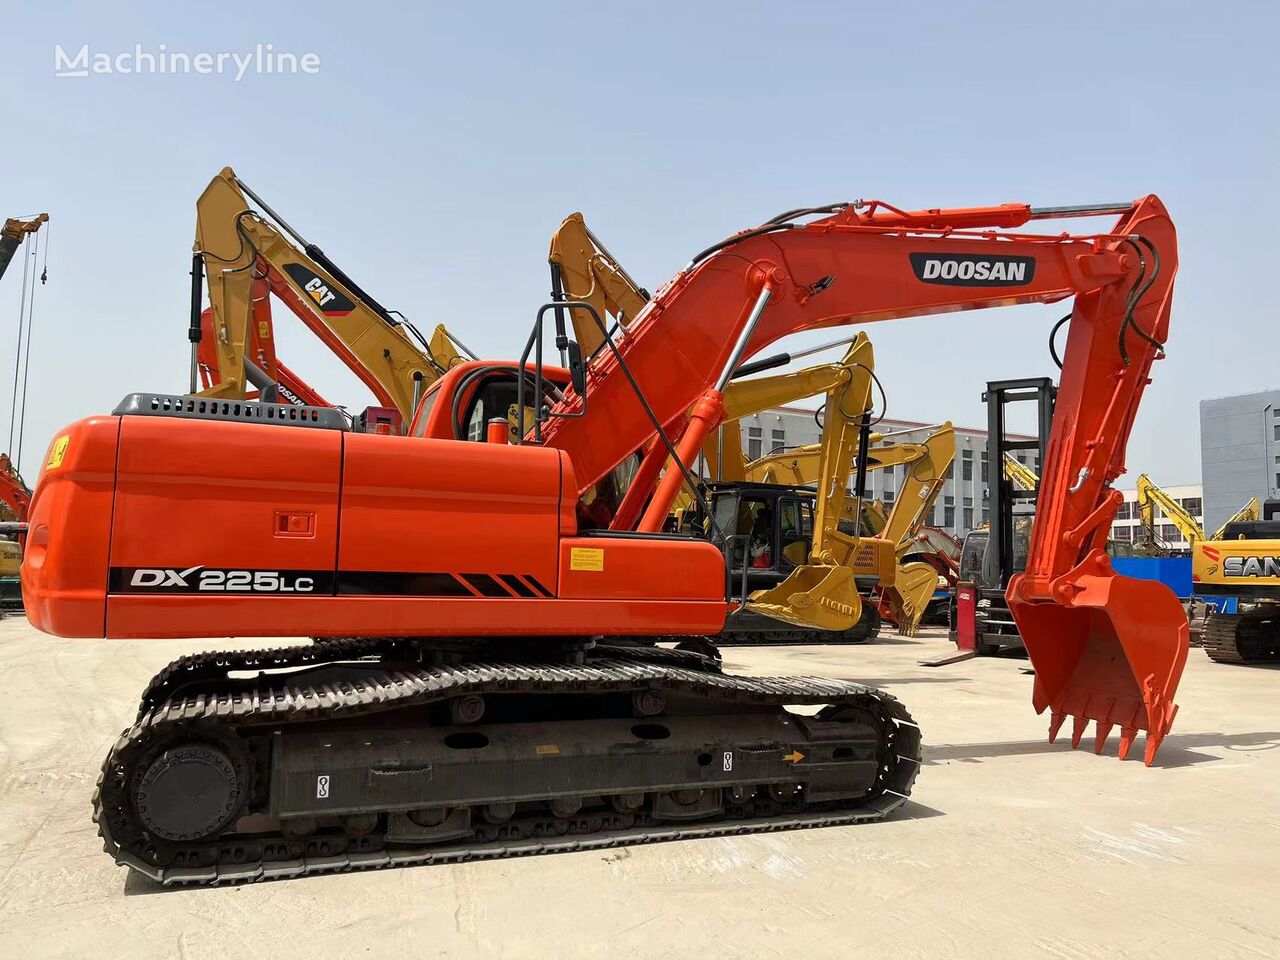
(586, 558)
(264, 330)
(58, 452)
(546, 749)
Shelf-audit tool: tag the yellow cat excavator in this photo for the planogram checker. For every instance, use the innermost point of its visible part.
(251, 254)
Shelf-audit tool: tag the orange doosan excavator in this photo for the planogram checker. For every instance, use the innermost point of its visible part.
(487, 677)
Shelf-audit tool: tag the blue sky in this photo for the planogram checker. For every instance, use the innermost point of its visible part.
(438, 147)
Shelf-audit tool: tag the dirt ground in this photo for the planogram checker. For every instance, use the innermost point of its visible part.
(1010, 847)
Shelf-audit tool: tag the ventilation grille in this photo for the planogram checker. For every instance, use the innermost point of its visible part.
(239, 411)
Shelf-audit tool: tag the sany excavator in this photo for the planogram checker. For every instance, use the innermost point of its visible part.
(251, 255)
(1238, 571)
(463, 704)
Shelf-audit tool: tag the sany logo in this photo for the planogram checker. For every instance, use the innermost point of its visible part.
(319, 292)
(1251, 567)
(163, 578)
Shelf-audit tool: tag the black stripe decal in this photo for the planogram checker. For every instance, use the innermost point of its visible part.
(486, 584)
(533, 581)
(376, 584)
(516, 584)
(221, 581)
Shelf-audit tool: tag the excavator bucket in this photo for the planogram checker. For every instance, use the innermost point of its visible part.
(1112, 653)
(913, 586)
(825, 598)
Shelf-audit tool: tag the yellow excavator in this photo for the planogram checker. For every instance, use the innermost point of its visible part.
(1238, 573)
(250, 254)
(1019, 473)
(1149, 496)
(903, 600)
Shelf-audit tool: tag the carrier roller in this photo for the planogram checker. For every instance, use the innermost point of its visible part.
(348, 754)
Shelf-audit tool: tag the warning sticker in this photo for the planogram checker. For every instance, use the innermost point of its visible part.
(58, 452)
(586, 558)
(546, 749)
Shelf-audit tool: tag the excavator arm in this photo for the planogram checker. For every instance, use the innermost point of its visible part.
(1020, 473)
(15, 496)
(584, 270)
(1150, 496)
(1105, 647)
(1249, 513)
(247, 257)
(14, 231)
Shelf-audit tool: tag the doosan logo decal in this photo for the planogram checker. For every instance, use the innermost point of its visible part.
(972, 270)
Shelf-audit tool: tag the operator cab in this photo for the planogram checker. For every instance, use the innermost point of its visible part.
(763, 529)
(460, 404)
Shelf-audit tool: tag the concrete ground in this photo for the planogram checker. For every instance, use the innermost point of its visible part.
(1010, 847)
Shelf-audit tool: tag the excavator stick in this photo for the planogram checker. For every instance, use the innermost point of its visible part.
(1105, 648)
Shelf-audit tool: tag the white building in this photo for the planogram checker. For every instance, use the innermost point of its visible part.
(1190, 497)
(962, 504)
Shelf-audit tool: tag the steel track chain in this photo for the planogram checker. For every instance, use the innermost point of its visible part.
(624, 669)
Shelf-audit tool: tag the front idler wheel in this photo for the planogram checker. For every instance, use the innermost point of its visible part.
(190, 792)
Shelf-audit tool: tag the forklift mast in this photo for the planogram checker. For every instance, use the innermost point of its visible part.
(1000, 560)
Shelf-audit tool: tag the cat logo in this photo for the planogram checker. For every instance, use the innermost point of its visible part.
(319, 292)
(327, 296)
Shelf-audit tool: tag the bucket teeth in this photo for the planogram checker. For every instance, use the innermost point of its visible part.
(1101, 732)
(1078, 725)
(1055, 724)
(1153, 744)
(1126, 740)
